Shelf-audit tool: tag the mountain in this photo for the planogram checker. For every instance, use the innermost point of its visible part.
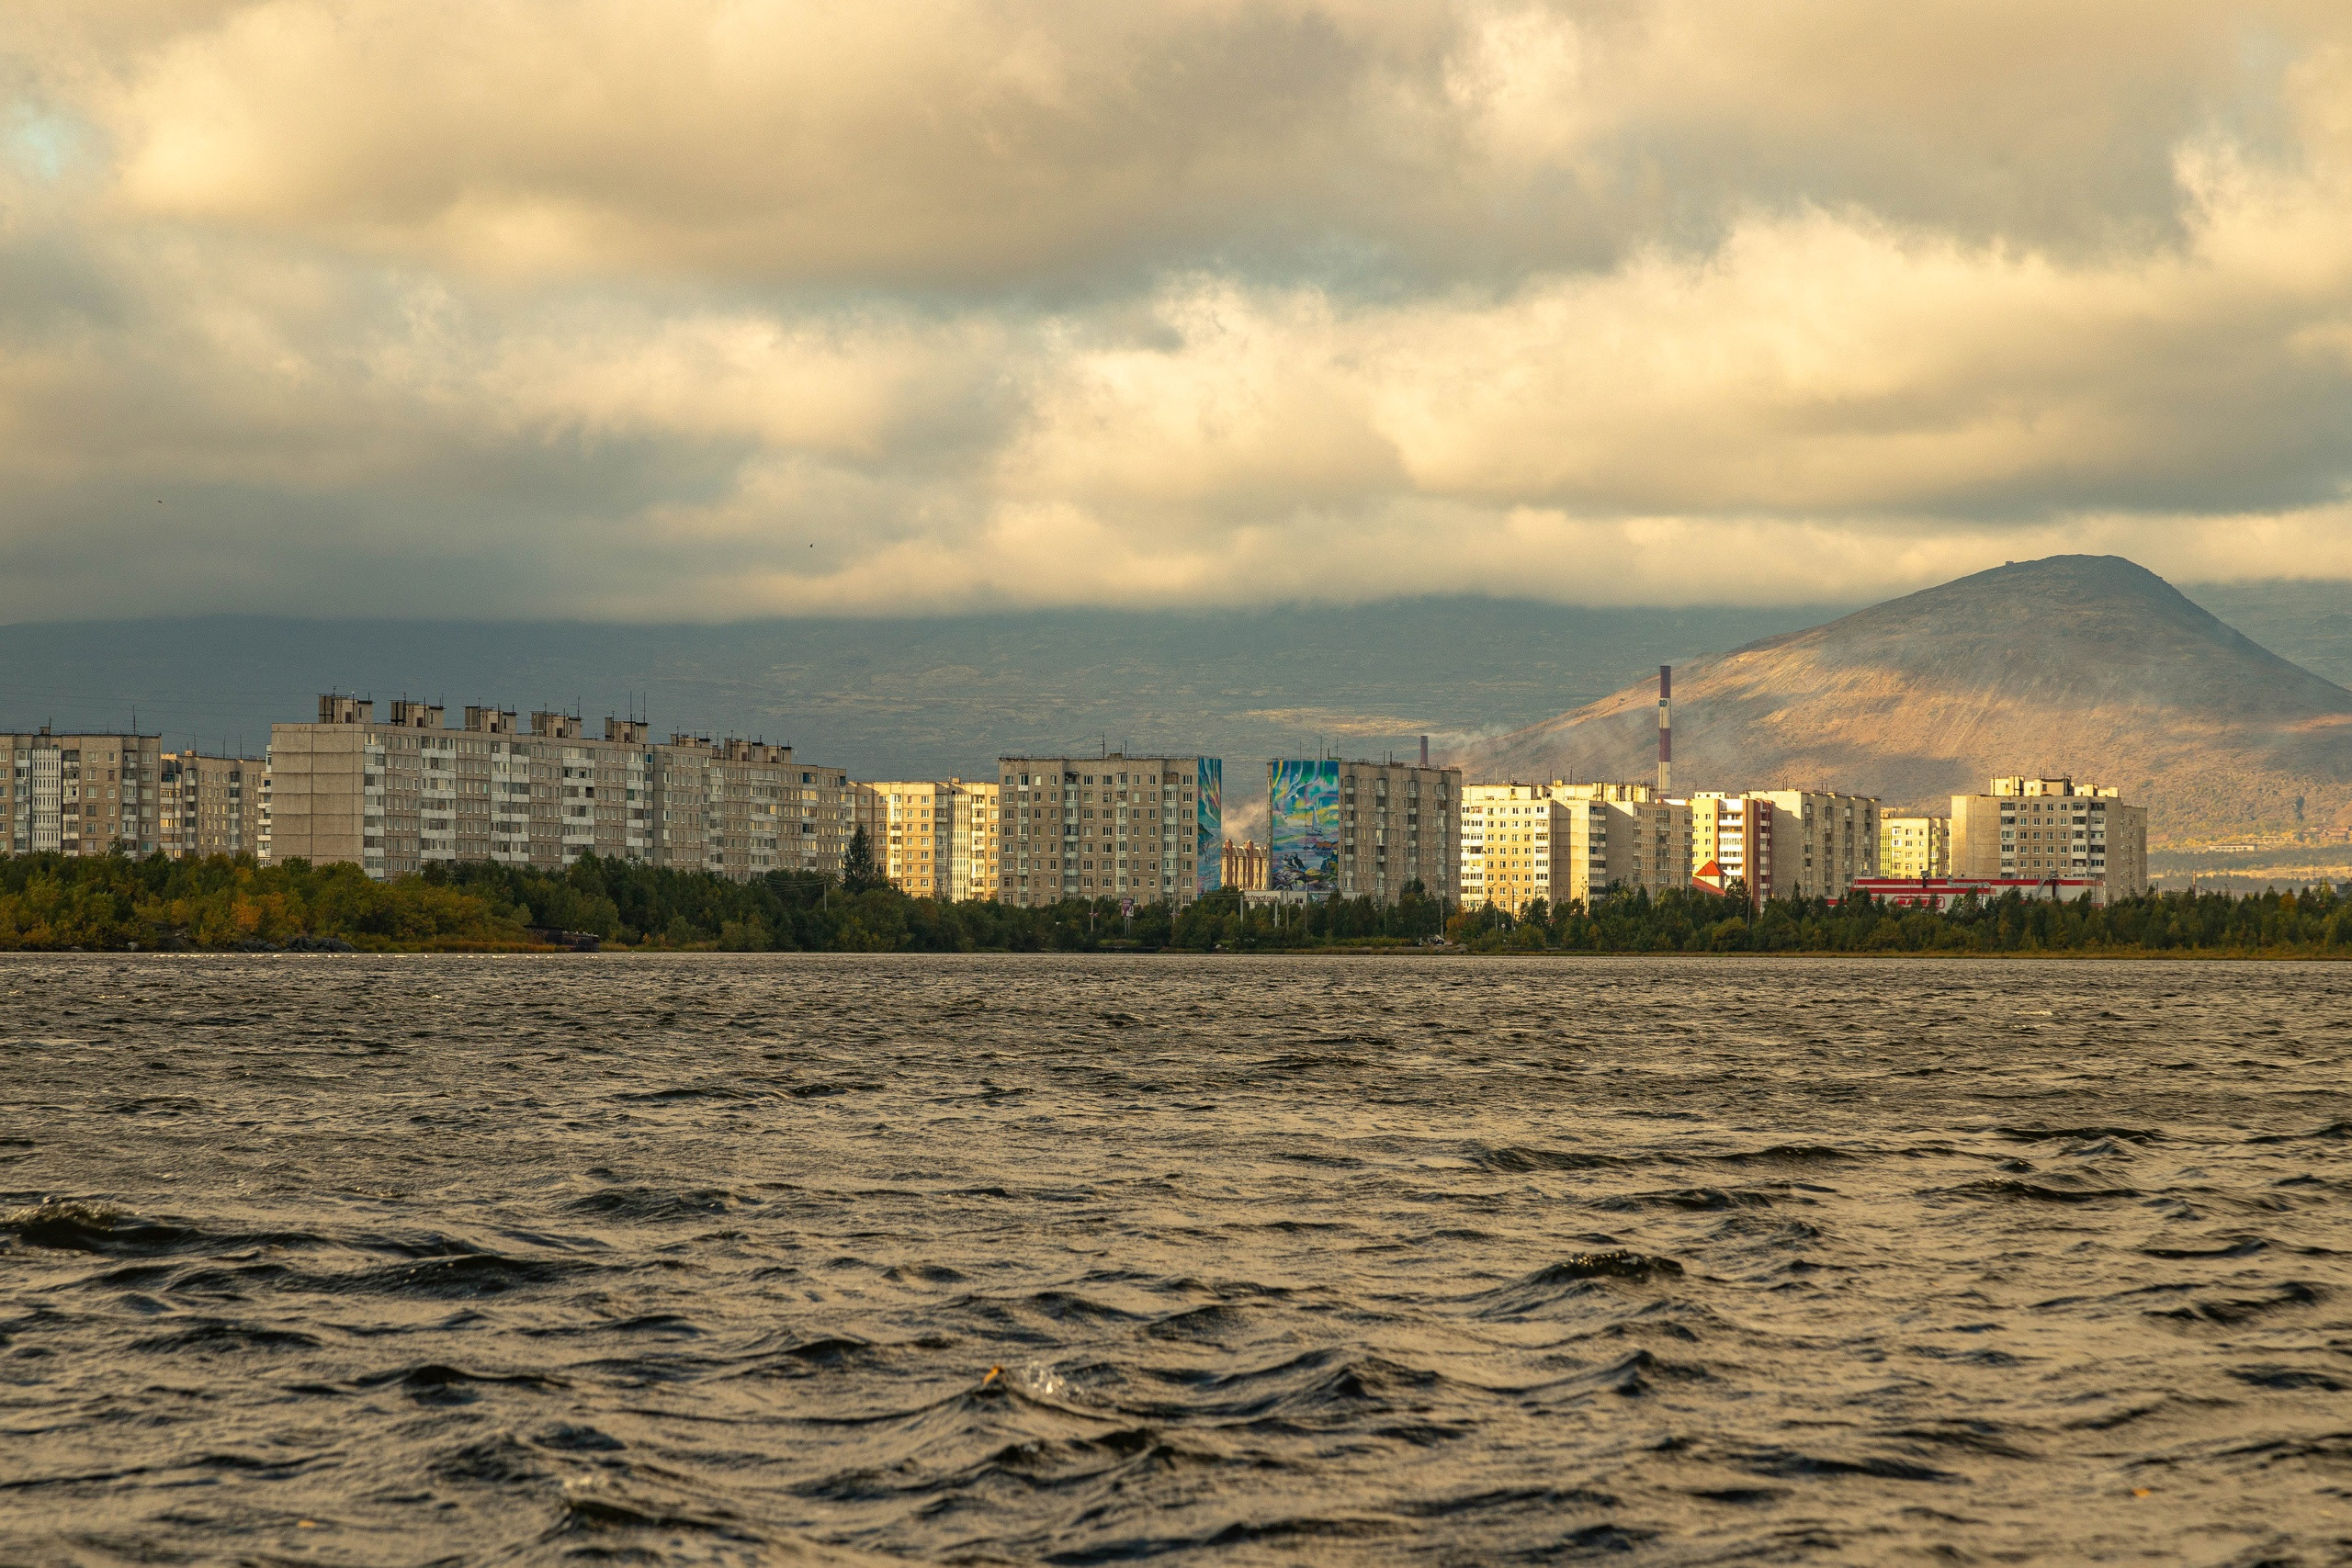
(2309, 622)
(2084, 665)
(909, 697)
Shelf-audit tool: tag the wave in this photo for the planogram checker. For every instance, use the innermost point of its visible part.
(1570, 1278)
(66, 1227)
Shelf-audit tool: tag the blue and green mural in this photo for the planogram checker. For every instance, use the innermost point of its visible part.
(1303, 827)
(1209, 793)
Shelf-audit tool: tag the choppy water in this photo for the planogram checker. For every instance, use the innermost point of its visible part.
(347, 1260)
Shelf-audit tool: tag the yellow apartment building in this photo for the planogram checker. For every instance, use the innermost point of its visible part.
(1915, 846)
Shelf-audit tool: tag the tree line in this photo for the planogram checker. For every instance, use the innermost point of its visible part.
(51, 903)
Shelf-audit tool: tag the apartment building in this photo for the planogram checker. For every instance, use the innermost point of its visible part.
(1244, 866)
(209, 806)
(1114, 826)
(1649, 836)
(1785, 843)
(1914, 846)
(1519, 844)
(911, 829)
(976, 871)
(395, 798)
(82, 794)
(1343, 830)
(1563, 842)
(1821, 841)
(764, 810)
(2037, 828)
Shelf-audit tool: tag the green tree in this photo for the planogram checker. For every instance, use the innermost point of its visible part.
(859, 874)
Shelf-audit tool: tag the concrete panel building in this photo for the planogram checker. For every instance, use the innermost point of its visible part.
(1245, 865)
(81, 794)
(209, 806)
(1914, 846)
(910, 828)
(394, 797)
(1353, 830)
(1649, 836)
(932, 839)
(2036, 829)
(1821, 841)
(1564, 842)
(1785, 843)
(976, 872)
(1114, 826)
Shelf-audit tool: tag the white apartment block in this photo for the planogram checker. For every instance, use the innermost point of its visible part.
(395, 798)
(931, 838)
(1649, 839)
(976, 871)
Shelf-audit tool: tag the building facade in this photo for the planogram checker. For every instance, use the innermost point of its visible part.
(209, 806)
(1649, 836)
(1143, 828)
(1519, 844)
(1342, 829)
(909, 827)
(1731, 840)
(1915, 846)
(2034, 829)
(1785, 843)
(88, 793)
(1245, 865)
(1943, 891)
(1821, 841)
(976, 871)
(1563, 842)
(395, 798)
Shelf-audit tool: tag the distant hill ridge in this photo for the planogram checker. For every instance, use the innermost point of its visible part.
(2084, 665)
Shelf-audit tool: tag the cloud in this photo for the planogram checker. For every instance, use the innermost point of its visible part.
(712, 308)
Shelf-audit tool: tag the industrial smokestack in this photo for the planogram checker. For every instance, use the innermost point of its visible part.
(1664, 732)
(1425, 750)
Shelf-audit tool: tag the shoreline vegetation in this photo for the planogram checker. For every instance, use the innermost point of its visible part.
(51, 903)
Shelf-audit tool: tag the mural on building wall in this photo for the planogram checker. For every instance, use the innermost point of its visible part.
(1208, 850)
(1303, 827)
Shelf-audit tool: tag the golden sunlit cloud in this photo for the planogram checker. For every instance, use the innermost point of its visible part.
(706, 308)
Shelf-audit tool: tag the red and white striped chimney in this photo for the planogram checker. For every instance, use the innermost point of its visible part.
(1664, 732)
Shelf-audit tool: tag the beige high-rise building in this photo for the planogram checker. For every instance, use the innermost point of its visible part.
(1915, 846)
(910, 828)
(1649, 838)
(1143, 828)
(1245, 865)
(209, 806)
(394, 797)
(83, 793)
(932, 839)
(1786, 843)
(1337, 829)
(2036, 829)
(1568, 842)
(1821, 841)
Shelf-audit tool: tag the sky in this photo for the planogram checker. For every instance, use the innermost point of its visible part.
(699, 310)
